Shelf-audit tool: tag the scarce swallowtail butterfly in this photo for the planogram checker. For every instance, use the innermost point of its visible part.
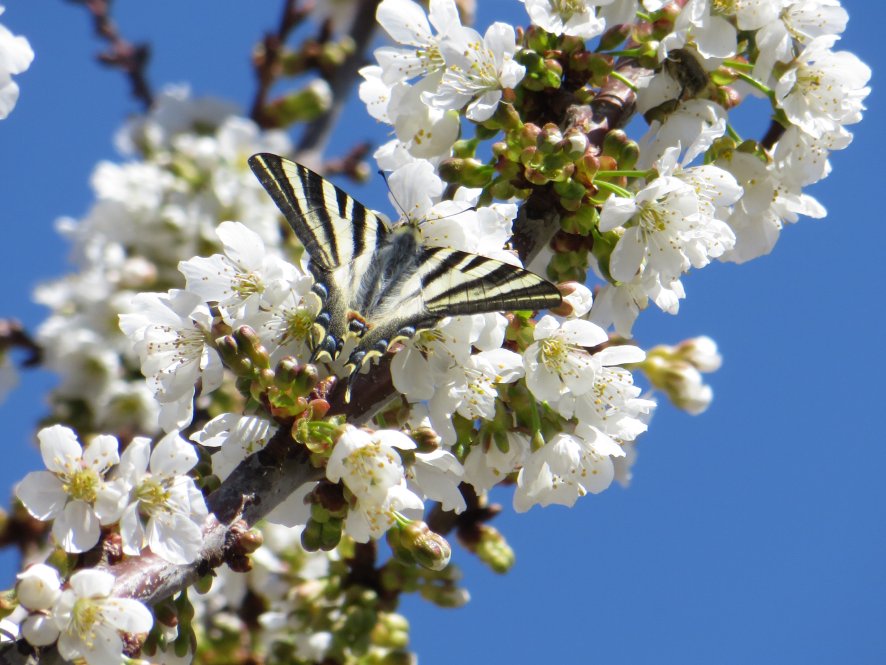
(380, 285)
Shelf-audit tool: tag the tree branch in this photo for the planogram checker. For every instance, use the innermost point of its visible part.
(132, 59)
(317, 132)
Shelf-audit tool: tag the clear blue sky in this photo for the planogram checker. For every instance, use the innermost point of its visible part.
(755, 533)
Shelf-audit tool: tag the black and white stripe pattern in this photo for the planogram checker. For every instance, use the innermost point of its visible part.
(381, 285)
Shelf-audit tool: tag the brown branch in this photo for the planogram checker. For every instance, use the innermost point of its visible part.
(132, 59)
(13, 335)
(267, 61)
(316, 134)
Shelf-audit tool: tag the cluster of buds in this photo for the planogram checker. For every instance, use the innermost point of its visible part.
(329, 508)
(288, 390)
(412, 541)
(677, 371)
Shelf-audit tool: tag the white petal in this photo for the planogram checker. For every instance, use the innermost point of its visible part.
(59, 448)
(173, 456)
(77, 528)
(92, 583)
(42, 494)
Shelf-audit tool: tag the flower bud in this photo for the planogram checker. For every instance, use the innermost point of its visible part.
(38, 587)
(701, 352)
(249, 343)
(429, 549)
(39, 630)
(301, 106)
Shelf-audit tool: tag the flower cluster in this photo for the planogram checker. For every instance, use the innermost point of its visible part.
(194, 318)
(147, 492)
(84, 619)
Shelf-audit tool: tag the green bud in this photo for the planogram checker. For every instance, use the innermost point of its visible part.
(311, 536)
(301, 106)
(330, 534)
(493, 550)
(575, 143)
(549, 139)
(466, 172)
(610, 39)
(249, 343)
(570, 189)
(204, 584)
(430, 549)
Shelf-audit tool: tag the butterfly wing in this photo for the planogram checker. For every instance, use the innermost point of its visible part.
(447, 282)
(339, 234)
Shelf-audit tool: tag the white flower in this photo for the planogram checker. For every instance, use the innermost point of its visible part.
(170, 333)
(38, 587)
(795, 22)
(767, 203)
(614, 405)
(477, 69)
(406, 23)
(244, 279)
(74, 492)
(15, 57)
(90, 619)
(169, 499)
(577, 18)
(370, 467)
(566, 468)
(695, 125)
(558, 361)
(823, 90)
(237, 436)
(485, 466)
(712, 35)
(619, 305)
(438, 474)
(418, 369)
(672, 224)
(469, 389)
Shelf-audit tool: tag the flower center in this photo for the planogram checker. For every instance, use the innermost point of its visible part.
(247, 284)
(83, 484)
(553, 354)
(85, 614)
(152, 495)
(568, 8)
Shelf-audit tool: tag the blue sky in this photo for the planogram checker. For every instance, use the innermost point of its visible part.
(754, 533)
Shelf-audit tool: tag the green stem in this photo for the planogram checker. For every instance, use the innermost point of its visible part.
(759, 85)
(741, 66)
(624, 80)
(623, 172)
(628, 53)
(643, 16)
(615, 189)
(733, 134)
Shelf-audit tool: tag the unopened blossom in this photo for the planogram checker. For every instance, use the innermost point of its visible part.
(243, 280)
(577, 18)
(567, 467)
(38, 587)
(823, 90)
(15, 57)
(170, 333)
(164, 496)
(558, 361)
(91, 620)
(477, 70)
(74, 491)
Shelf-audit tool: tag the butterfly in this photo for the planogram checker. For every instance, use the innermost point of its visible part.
(380, 285)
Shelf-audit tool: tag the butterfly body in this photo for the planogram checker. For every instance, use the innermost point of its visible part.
(380, 285)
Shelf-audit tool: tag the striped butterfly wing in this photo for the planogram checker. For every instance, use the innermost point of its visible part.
(443, 282)
(381, 286)
(340, 235)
